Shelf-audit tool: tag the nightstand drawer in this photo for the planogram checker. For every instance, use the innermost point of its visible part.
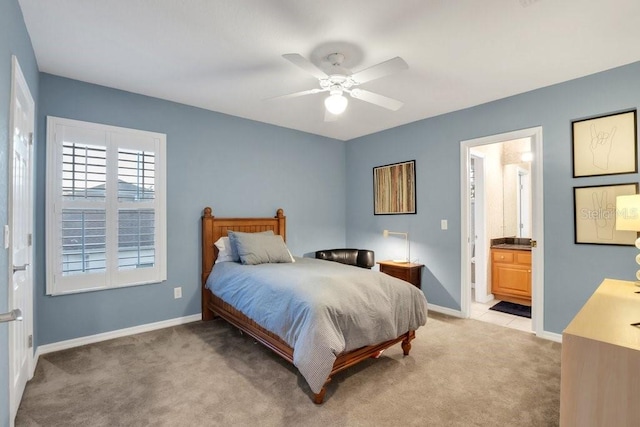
(409, 272)
(400, 273)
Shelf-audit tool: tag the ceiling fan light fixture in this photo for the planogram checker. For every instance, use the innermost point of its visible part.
(340, 80)
(336, 103)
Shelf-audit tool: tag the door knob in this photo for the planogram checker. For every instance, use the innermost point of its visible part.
(15, 314)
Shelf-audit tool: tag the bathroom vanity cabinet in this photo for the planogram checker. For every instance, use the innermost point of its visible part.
(511, 275)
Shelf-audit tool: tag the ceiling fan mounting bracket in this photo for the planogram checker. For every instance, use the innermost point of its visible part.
(335, 59)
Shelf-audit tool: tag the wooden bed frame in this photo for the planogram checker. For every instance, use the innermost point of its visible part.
(212, 229)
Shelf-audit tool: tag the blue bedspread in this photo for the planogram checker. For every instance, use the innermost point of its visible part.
(320, 308)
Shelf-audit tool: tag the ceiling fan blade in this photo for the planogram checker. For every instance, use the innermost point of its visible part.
(380, 70)
(296, 94)
(305, 64)
(377, 99)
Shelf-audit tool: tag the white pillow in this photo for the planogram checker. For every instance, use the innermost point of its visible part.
(224, 250)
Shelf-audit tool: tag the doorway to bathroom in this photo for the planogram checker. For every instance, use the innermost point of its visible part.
(501, 195)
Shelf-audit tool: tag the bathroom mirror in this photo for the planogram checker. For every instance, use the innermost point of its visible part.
(517, 200)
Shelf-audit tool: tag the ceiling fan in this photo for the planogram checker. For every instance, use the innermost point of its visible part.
(340, 81)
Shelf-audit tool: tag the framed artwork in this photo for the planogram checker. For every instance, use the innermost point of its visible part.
(595, 214)
(394, 188)
(605, 145)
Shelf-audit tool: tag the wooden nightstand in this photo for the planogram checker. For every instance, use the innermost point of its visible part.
(407, 271)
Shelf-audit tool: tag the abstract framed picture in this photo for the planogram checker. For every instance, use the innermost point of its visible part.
(605, 145)
(595, 214)
(394, 188)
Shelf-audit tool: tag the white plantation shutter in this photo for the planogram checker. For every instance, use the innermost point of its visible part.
(136, 213)
(106, 219)
(83, 243)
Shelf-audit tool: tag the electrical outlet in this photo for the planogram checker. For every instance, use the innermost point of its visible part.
(177, 292)
(443, 224)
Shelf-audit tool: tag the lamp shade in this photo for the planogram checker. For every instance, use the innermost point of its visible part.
(336, 103)
(628, 218)
(386, 233)
(628, 212)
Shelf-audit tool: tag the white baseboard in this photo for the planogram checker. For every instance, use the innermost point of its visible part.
(551, 336)
(444, 310)
(77, 342)
(485, 299)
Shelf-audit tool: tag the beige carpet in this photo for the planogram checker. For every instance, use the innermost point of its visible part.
(459, 373)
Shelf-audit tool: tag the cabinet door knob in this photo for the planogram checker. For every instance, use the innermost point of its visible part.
(501, 256)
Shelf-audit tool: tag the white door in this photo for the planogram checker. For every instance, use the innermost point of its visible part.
(479, 257)
(20, 232)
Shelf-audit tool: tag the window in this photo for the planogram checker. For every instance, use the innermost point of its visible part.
(106, 219)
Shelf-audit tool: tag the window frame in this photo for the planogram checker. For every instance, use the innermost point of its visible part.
(113, 138)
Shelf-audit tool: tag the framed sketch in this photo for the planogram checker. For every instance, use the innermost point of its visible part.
(394, 188)
(595, 214)
(605, 145)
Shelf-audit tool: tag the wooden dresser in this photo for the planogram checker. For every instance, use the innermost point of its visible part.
(511, 275)
(407, 271)
(600, 383)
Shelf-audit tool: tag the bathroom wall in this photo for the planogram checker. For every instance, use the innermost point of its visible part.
(494, 188)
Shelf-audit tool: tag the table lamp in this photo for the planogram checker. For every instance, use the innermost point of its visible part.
(628, 218)
(386, 233)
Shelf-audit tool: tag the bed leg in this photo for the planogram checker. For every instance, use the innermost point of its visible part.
(318, 398)
(207, 315)
(406, 343)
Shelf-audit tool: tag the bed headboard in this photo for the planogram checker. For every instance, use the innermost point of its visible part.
(213, 228)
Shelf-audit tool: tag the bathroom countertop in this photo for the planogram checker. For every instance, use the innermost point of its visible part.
(512, 243)
(512, 246)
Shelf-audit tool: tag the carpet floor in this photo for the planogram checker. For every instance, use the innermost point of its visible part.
(460, 372)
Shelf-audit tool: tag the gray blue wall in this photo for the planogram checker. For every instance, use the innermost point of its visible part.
(14, 40)
(237, 166)
(572, 272)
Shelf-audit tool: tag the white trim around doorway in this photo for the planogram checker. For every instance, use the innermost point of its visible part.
(537, 232)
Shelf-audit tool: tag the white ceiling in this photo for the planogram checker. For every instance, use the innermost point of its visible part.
(225, 55)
